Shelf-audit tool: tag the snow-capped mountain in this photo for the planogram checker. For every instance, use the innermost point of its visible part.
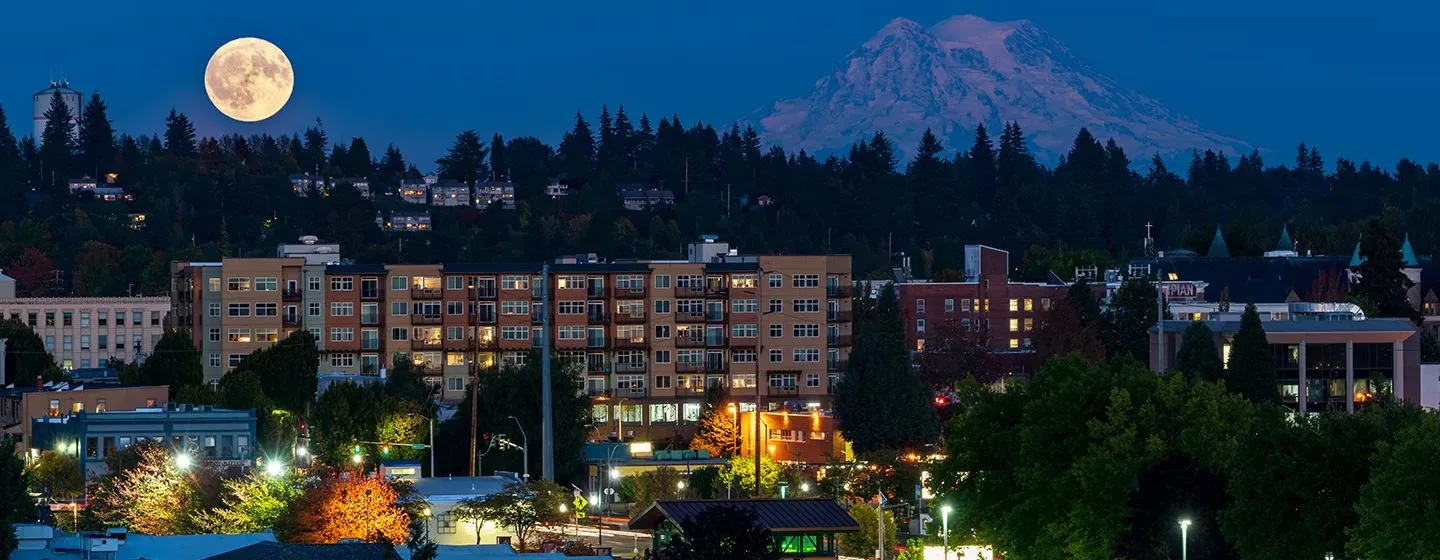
(967, 70)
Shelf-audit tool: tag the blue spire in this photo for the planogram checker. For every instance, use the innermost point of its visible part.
(1217, 247)
(1355, 258)
(1407, 254)
(1285, 244)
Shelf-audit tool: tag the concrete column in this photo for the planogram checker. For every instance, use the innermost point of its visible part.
(1397, 376)
(1350, 376)
(1301, 403)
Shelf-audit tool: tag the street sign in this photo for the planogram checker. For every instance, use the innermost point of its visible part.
(579, 515)
(580, 503)
(417, 446)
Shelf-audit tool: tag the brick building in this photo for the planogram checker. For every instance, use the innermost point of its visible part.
(648, 335)
(985, 303)
(19, 405)
(809, 437)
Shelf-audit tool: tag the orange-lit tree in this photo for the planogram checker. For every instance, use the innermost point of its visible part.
(347, 506)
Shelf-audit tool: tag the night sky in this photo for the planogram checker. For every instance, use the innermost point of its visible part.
(1357, 79)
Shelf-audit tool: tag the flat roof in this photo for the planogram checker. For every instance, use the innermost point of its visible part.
(1302, 326)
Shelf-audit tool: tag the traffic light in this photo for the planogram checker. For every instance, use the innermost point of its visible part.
(356, 450)
(385, 450)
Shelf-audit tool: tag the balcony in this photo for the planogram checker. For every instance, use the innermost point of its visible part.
(427, 343)
(595, 318)
(837, 366)
(839, 291)
(370, 294)
(837, 340)
(631, 343)
(716, 366)
(370, 343)
(689, 367)
(717, 292)
(597, 392)
(290, 320)
(486, 318)
(690, 390)
(783, 391)
(537, 319)
(291, 294)
(714, 316)
(597, 368)
(370, 319)
(423, 319)
(484, 292)
(689, 342)
(595, 343)
(597, 292)
(630, 392)
(623, 367)
(689, 316)
(635, 292)
(424, 293)
(690, 291)
(839, 316)
(630, 318)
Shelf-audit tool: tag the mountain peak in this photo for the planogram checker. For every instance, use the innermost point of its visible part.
(966, 71)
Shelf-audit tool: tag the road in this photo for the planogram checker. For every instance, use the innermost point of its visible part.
(626, 544)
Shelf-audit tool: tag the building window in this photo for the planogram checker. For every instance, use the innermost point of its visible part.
(777, 356)
(342, 309)
(239, 335)
(235, 310)
(572, 333)
(662, 306)
(267, 335)
(785, 380)
(919, 325)
(812, 380)
(454, 333)
(214, 359)
(104, 340)
(514, 333)
(234, 360)
(212, 335)
(514, 282)
(742, 357)
(806, 355)
(775, 280)
(454, 282)
(1014, 343)
(662, 356)
(1045, 304)
(662, 281)
(1014, 325)
(919, 306)
(776, 306)
(1029, 304)
(806, 330)
(662, 382)
(342, 360)
(514, 307)
(664, 413)
(1014, 304)
(399, 334)
(67, 318)
(806, 306)
(50, 319)
(313, 283)
(806, 281)
(267, 309)
(1030, 325)
(68, 343)
(777, 331)
(398, 308)
(749, 330)
(455, 384)
(662, 332)
(266, 284)
(238, 284)
(342, 334)
(213, 284)
(571, 307)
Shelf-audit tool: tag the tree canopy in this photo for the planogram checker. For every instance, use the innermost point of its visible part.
(881, 403)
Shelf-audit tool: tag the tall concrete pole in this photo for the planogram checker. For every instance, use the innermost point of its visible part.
(547, 412)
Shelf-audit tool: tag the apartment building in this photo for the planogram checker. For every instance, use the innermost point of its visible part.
(19, 405)
(649, 336)
(85, 332)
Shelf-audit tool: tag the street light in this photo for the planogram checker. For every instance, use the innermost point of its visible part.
(945, 524)
(805, 486)
(1184, 539)
(274, 468)
(183, 461)
(525, 451)
(356, 458)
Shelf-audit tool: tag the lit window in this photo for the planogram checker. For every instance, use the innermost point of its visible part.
(1014, 343)
(1029, 304)
(1014, 325)
(1014, 304)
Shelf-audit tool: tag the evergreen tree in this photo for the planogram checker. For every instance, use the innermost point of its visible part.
(392, 166)
(499, 168)
(358, 157)
(179, 135)
(1382, 288)
(1251, 371)
(577, 151)
(15, 502)
(622, 160)
(982, 168)
(57, 147)
(881, 403)
(175, 363)
(1127, 321)
(312, 156)
(96, 139)
(465, 161)
(1198, 356)
(13, 174)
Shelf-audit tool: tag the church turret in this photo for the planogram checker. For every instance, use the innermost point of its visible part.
(1217, 246)
(1284, 247)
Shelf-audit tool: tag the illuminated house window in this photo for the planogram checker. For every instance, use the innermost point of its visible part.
(1014, 343)
(1225, 355)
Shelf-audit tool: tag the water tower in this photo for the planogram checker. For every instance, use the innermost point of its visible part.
(42, 104)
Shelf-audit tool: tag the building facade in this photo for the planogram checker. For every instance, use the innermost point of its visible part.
(216, 437)
(985, 304)
(1323, 365)
(19, 405)
(811, 437)
(85, 332)
(648, 336)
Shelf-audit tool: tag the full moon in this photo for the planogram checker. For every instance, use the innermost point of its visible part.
(249, 79)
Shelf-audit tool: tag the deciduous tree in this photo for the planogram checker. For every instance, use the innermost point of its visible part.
(717, 431)
(1396, 508)
(15, 502)
(350, 506)
(722, 533)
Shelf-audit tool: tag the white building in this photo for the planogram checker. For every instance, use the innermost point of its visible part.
(85, 332)
(489, 192)
(404, 221)
(450, 193)
(43, 542)
(72, 101)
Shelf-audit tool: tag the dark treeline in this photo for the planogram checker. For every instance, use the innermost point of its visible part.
(205, 198)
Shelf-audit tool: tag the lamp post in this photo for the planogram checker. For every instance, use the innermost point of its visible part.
(432, 440)
(1184, 539)
(524, 451)
(945, 527)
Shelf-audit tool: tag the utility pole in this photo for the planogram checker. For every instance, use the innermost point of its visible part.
(547, 412)
(687, 175)
(1160, 314)
(474, 398)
